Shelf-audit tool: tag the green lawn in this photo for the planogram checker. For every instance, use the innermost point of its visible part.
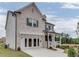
(11, 53)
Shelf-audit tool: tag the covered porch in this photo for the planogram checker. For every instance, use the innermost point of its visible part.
(50, 40)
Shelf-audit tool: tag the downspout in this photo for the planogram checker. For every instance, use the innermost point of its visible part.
(15, 32)
(15, 29)
(47, 34)
(47, 40)
(15, 13)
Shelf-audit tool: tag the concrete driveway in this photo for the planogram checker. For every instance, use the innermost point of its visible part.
(43, 52)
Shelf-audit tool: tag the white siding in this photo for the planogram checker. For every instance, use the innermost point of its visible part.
(10, 31)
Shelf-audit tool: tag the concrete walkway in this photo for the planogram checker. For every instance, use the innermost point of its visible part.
(43, 52)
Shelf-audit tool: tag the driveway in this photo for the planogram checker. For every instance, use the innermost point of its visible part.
(43, 52)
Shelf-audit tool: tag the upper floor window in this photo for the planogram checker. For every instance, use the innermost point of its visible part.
(49, 27)
(32, 22)
(29, 22)
(52, 27)
(35, 23)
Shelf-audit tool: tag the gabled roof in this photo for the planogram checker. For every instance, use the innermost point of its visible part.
(19, 10)
(7, 17)
(31, 4)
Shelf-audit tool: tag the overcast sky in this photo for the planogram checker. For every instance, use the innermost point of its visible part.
(64, 15)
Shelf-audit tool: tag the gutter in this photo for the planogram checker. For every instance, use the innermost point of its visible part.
(15, 32)
(15, 13)
(47, 34)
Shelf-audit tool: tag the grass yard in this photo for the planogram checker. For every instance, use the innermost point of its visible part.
(11, 53)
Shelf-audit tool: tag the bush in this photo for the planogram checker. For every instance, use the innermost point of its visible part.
(19, 48)
(50, 47)
(78, 51)
(58, 46)
(62, 46)
(5, 46)
(71, 52)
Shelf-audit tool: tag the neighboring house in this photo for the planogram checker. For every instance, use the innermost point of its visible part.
(2, 40)
(28, 28)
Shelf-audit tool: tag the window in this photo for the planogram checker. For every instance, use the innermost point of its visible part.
(52, 28)
(34, 42)
(30, 42)
(31, 22)
(46, 38)
(38, 42)
(49, 27)
(35, 23)
(50, 38)
(25, 42)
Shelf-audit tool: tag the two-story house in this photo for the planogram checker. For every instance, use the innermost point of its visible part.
(28, 28)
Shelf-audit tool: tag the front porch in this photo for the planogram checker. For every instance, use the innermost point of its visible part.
(50, 40)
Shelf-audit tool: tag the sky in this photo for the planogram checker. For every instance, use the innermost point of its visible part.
(64, 15)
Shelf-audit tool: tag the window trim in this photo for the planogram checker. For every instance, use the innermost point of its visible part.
(32, 22)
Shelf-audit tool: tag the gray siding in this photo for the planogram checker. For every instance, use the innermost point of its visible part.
(22, 27)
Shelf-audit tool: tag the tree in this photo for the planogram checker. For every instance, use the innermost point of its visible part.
(65, 38)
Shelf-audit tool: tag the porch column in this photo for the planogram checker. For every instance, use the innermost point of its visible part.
(60, 40)
(48, 40)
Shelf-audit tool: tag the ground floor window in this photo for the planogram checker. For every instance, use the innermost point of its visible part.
(38, 42)
(30, 42)
(34, 42)
(50, 38)
(45, 37)
(25, 42)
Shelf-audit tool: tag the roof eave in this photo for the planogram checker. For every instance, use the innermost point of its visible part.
(7, 17)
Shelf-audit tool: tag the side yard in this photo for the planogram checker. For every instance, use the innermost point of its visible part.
(11, 53)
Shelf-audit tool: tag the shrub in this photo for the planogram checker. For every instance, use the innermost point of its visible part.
(5, 46)
(50, 47)
(78, 51)
(19, 48)
(62, 46)
(71, 52)
(58, 46)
